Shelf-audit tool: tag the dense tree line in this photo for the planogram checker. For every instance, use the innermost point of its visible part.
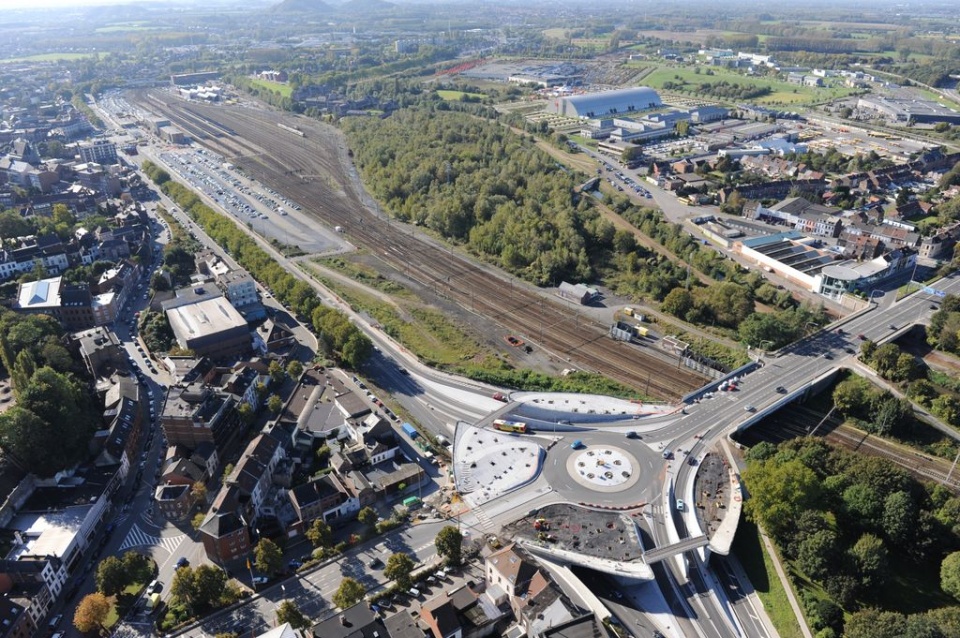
(934, 73)
(844, 519)
(340, 336)
(875, 410)
(54, 417)
(723, 89)
(944, 330)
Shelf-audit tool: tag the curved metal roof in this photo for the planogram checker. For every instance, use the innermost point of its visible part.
(621, 99)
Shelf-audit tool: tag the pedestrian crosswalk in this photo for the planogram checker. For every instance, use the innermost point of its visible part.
(485, 521)
(136, 537)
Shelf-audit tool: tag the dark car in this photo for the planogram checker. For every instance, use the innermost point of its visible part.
(375, 563)
(183, 562)
(781, 389)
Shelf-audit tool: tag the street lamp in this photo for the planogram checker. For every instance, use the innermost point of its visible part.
(872, 293)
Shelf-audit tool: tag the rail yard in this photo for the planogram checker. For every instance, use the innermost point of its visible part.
(308, 162)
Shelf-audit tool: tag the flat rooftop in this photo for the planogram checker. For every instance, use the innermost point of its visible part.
(207, 317)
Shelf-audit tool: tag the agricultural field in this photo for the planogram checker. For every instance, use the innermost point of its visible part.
(453, 96)
(285, 90)
(50, 57)
(126, 27)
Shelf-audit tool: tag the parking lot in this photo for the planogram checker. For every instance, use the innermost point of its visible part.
(256, 205)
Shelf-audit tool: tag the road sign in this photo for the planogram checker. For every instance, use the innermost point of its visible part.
(933, 291)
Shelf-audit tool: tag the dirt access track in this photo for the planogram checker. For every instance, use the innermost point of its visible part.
(313, 169)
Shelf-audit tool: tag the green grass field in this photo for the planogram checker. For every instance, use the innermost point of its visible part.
(50, 57)
(452, 96)
(285, 90)
(781, 92)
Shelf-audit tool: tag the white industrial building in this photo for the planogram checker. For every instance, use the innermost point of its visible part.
(605, 103)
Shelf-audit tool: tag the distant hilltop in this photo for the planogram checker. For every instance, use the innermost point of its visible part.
(318, 6)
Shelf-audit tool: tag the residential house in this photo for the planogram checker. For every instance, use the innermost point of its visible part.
(461, 613)
(942, 244)
(174, 502)
(253, 473)
(325, 497)
(224, 531)
(353, 622)
(14, 619)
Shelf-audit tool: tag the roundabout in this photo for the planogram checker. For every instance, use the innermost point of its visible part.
(604, 468)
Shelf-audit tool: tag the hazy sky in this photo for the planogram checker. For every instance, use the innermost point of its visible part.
(36, 4)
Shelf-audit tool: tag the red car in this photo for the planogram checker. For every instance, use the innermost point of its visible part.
(513, 341)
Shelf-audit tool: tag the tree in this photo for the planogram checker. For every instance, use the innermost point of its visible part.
(111, 576)
(779, 492)
(294, 369)
(349, 593)
(678, 302)
(872, 560)
(277, 374)
(319, 534)
(817, 554)
(899, 517)
(449, 542)
(368, 516)
(198, 492)
(398, 569)
(323, 453)
(183, 588)
(198, 519)
(289, 612)
(246, 413)
(950, 574)
(873, 623)
(852, 396)
(862, 505)
(274, 403)
(885, 359)
(268, 559)
(208, 587)
(139, 568)
(91, 612)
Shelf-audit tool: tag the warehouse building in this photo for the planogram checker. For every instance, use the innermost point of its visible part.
(210, 327)
(605, 103)
(909, 111)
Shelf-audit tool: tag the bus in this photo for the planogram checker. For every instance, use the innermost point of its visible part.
(510, 426)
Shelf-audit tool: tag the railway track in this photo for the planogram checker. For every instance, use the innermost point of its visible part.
(312, 170)
(801, 421)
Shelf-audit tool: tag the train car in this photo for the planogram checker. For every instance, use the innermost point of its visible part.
(510, 426)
